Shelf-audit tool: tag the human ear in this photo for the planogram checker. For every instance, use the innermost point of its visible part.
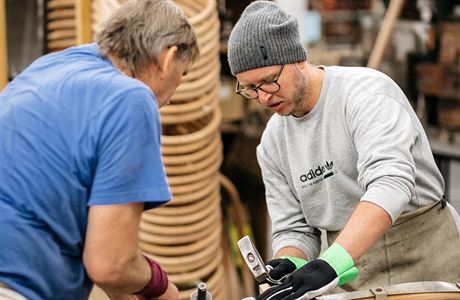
(166, 64)
(301, 64)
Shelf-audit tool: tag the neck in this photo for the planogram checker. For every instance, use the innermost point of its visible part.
(315, 77)
(116, 63)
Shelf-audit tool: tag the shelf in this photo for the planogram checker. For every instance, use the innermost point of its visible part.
(440, 147)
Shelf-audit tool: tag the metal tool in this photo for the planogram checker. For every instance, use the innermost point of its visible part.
(254, 262)
(201, 292)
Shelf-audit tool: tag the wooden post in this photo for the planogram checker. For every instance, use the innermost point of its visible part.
(3, 47)
(384, 33)
(83, 21)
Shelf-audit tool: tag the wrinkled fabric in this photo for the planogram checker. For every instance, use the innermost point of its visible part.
(423, 245)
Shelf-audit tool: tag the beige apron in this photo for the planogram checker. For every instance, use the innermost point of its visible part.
(423, 245)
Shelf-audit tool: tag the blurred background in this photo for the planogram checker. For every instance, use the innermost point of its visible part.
(417, 43)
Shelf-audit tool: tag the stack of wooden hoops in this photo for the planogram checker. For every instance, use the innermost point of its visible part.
(61, 25)
(185, 235)
(101, 10)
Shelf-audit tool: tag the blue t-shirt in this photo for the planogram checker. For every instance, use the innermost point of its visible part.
(74, 132)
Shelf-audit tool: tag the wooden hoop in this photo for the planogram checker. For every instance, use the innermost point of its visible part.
(187, 148)
(61, 44)
(195, 19)
(193, 167)
(212, 21)
(182, 249)
(186, 259)
(422, 290)
(200, 84)
(187, 277)
(61, 24)
(210, 33)
(211, 127)
(193, 157)
(199, 175)
(201, 225)
(54, 4)
(195, 196)
(173, 240)
(152, 216)
(177, 211)
(204, 14)
(61, 34)
(206, 59)
(200, 72)
(202, 258)
(187, 219)
(189, 188)
(191, 116)
(61, 14)
(196, 104)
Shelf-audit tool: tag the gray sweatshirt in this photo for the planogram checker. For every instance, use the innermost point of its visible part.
(361, 141)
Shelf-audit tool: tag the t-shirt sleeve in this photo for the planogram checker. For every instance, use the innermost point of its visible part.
(128, 162)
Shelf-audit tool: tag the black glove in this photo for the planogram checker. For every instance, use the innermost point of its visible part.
(334, 268)
(284, 266)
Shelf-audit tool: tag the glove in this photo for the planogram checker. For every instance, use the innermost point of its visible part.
(284, 265)
(334, 268)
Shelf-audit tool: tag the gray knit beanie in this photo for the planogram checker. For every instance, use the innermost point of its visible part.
(264, 36)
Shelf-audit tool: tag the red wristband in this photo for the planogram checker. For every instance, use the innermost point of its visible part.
(158, 282)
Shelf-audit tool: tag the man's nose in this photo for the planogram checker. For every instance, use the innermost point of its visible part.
(263, 97)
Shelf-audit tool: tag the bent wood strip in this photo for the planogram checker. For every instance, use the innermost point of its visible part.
(196, 166)
(194, 156)
(182, 249)
(162, 220)
(211, 127)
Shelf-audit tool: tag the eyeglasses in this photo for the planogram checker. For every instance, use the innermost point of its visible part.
(270, 87)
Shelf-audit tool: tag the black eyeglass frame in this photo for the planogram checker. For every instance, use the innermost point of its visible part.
(259, 87)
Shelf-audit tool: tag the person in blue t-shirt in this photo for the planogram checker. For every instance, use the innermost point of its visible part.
(80, 158)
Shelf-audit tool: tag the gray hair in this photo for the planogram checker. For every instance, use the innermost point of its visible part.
(142, 29)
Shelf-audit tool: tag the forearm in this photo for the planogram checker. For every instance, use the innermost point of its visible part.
(111, 256)
(366, 225)
(129, 277)
(291, 251)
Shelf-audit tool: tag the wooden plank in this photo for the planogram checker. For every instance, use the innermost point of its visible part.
(383, 36)
(83, 21)
(3, 47)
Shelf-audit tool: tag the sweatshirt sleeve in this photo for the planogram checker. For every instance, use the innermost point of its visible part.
(384, 135)
(289, 227)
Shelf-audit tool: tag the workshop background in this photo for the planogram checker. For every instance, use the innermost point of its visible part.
(210, 134)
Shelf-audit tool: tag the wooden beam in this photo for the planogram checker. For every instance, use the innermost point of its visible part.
(3, 47)
(389, 21)
(83, 21)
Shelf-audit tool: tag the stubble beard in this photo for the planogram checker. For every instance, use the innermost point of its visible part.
(302, 87)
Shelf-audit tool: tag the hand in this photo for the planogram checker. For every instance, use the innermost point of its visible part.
(284, 265)
(334, 268)
(172, 293)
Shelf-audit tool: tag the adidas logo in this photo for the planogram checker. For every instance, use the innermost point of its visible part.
(325, 170)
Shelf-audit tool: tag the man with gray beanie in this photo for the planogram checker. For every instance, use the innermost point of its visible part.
(345, 153)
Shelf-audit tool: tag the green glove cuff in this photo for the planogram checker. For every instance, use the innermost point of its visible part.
(342, 263)
(298, 262)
